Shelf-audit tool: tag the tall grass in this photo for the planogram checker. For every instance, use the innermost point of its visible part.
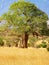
(18, 56)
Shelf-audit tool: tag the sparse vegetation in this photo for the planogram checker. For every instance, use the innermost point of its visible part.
(47, 48)
(38, 46)
(1, 41)
(32, 41)
(44, 45)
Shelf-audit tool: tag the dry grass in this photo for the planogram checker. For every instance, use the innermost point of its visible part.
(18, 56)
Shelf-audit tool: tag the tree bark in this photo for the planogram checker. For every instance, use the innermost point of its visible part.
(24, 39)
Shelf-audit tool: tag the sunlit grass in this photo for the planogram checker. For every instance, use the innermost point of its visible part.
(18, 56)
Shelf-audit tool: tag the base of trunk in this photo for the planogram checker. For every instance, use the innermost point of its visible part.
(24, 40)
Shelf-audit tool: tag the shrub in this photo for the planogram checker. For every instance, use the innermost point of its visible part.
(1, 41)
(8, 44)
(47, 48)
(32, 41)
(47, 39)
(44, 45)
(29, 44)
(38, 46)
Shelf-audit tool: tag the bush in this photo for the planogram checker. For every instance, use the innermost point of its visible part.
(48, 49)
(32, 41)
(38, 46)
(8, 44)
(1, 41)
(44, 45)
(29, 44)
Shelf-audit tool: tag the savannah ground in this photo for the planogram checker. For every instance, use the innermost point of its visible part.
(19, 56)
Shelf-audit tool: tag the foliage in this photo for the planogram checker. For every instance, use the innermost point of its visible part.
(1, 18)
(44, 45)
(1, 41)
(8, 44)
(26, 17)
(47, 39)
(12, 41)
(47, 48)
(32, 41)
(38, 46)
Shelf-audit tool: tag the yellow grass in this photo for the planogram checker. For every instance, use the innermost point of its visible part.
(18, 56)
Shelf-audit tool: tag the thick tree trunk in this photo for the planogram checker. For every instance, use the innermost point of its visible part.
(24, 39)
